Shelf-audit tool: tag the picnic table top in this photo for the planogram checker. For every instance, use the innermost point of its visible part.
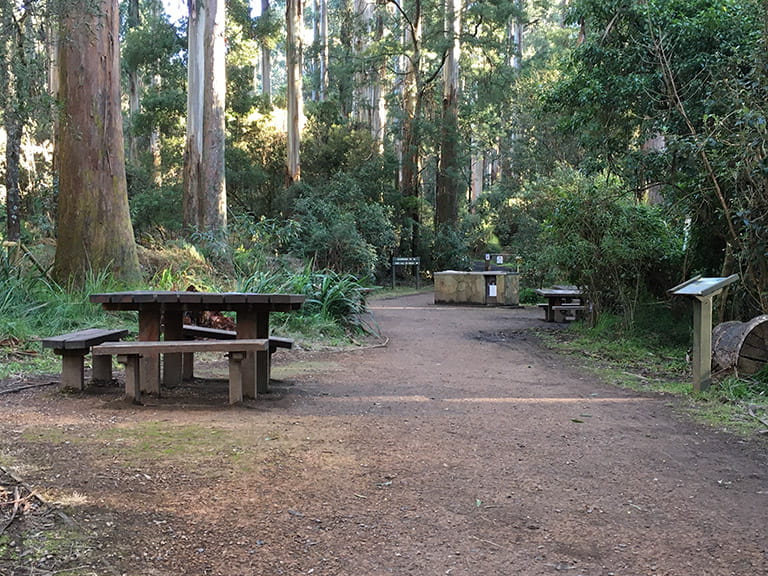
(187, 300)
(560, 292)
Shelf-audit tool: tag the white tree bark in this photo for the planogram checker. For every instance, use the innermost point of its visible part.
(368, 102)
(266, 61)
(477, 171)
(295, 101)
(205, 204)
(214, 133)
(134, 86)
(324, 55)
(193, 152)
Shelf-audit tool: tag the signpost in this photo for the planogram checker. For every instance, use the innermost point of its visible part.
(407, 261)
(702, 291)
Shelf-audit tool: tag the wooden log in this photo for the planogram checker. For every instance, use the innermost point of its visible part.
(742, 346)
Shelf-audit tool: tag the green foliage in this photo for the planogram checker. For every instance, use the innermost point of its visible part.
(528, 296)
(255, 165)
(341, 229)
(31, 308)
(333, 297)
(646, 352)
(735, 390)
(261, 245)
(602, 239)
(153, 49)
(671, 97)
(450, 251)
(154, 210)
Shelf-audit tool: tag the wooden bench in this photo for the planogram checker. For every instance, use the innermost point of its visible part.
(195, 332)
(129, 354)
(562, 312)
(73, 347)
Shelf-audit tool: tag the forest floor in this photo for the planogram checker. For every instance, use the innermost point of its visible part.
(459, 446)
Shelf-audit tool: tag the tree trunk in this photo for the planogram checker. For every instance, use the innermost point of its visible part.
(94, 226)
(134, 87)
(446, 199)
(361, 85)
(205, 199)
(477, 170)
(411, 148)
(344, 82)
(368, 105)
(13, 129)
(154, 145)
(266, 60)
(154, 135)
(295, 103)
(10, 103)
(324, 54)
(214, 135)
(379, 112)
(193, 151)
(741, 345)
(515, 34)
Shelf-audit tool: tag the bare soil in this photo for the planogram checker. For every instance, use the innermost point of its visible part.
(461, 446)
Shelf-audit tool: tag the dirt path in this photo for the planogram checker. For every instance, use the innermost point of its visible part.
(462, 447)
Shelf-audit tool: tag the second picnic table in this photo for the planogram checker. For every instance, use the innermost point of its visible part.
(559, 297)
(163, 312)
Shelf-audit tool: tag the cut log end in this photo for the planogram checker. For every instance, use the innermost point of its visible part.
(741, 345)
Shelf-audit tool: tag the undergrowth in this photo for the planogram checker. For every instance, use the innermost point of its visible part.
(654, 357)
(33, 307)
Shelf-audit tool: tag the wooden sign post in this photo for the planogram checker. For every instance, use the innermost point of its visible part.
(409, 261)
(702, 291)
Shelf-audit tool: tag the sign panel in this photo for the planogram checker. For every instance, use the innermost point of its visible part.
(406, 261)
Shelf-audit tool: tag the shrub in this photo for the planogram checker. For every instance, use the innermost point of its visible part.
(333, 297)
(602, 239)
(341, 229)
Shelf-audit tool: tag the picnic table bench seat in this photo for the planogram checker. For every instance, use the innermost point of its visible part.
(565, 312)
(74, 346)
(195, 332)
(129, 354)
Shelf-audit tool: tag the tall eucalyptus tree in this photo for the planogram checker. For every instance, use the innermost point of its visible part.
(94, 226)
(449, 173)
(24, 102)
(410, 137)
(370, 78)
(205, 199)
(295, 101)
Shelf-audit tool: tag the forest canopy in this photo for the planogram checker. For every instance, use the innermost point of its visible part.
(615, 144)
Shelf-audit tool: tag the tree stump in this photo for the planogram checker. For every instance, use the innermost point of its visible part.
(742, 346)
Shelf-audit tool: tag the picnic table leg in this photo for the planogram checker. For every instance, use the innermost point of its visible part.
(255, 367)
(236, 376)
(132, 364)
(188, 366)
(172, 363)
(246, 328)
(149, 330)
(263, 357)
(101, 368)
(72, 373)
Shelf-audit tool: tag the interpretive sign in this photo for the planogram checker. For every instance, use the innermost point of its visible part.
(407, 261)
(702, 291)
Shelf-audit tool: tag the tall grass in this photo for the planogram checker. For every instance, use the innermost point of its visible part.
(32, 307)
(330, 296)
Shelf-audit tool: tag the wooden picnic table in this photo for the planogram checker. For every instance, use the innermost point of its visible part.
(558, 297)
(163, 312)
